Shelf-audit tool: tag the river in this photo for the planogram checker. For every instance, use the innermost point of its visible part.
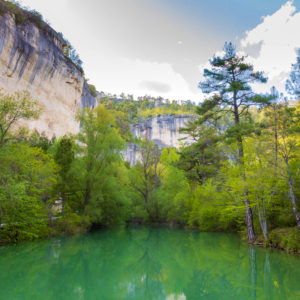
(147, 263)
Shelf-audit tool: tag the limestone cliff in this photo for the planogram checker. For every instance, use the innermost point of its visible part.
(33, 60)
(163, 130)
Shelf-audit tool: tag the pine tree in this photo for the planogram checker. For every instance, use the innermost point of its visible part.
(229, 82)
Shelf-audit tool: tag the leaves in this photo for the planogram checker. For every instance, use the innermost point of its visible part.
(14, 108)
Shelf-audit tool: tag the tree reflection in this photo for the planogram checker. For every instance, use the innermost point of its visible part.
(146, 263)
(252, 262)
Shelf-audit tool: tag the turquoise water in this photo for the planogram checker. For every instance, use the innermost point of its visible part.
(147, 263)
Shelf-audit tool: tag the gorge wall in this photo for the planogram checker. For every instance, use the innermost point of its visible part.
(163, 130)
(33, 60)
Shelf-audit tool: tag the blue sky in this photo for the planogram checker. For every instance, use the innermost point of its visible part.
(227, 17)
(160, 47)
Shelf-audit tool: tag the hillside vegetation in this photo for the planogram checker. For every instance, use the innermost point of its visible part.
(146, 108)
(241, 174)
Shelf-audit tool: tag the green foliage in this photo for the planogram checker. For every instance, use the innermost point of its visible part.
(145, 180)
(286, 238)
(64, 157)
(93, 90)
(70, 223)
(212, 209)
(202, 159)
(145, 109)
(172, 195)
(228, 83)
(100, 164)
(38, 140)
(72, 56)
(26, 180)
(23, 15)
(13, 108)
(242, 159)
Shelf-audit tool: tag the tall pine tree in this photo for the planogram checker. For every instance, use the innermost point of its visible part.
(228, 83)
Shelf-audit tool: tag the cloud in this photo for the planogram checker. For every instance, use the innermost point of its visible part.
(119, 54)
(272, 44)
(158, 78)
(155, 86)
(142, 77)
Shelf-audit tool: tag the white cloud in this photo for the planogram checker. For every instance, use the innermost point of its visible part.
(276, 39)
(130, 54)
(167, 51)
(131, 76)
(138, 71)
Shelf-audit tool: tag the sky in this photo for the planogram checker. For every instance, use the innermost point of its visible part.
(160, 47)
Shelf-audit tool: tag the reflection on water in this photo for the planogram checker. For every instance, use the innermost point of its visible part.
(147, 263)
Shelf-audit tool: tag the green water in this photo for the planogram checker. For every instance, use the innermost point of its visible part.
(147, 263)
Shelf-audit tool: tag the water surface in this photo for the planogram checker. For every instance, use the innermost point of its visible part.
(147, 263)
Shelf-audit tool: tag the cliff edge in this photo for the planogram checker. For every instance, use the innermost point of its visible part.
(34, 60)
(163, 130)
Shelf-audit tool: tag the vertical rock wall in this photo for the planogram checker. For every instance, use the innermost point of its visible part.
(163, 130)
(33, 60)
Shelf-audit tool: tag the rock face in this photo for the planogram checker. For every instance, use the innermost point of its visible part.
(163, 130)
(34, 61)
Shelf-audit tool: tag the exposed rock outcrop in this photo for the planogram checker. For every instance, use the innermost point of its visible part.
(33, 60)
(163, 130)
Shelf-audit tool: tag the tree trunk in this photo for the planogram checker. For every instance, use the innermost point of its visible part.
(262, 218)
(50, 217)
(87, 195)
(88, 183)
(249, 220)
(249, 216)
(292, 195)
(146, 195)
(276, 143)
(156, 186)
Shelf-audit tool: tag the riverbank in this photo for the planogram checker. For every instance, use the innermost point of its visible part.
(286, 239)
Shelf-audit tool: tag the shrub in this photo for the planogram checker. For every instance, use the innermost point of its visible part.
(70, 223)
(287, 238)
(93, 90)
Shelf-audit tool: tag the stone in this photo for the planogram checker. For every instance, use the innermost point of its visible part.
(163, 130)
(34, 61)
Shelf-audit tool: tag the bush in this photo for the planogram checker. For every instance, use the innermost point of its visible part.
(18, 231)
(70, 223)
(93, 90)
(292, 241)
(286, 238)
(22, 15)
(274, 239)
